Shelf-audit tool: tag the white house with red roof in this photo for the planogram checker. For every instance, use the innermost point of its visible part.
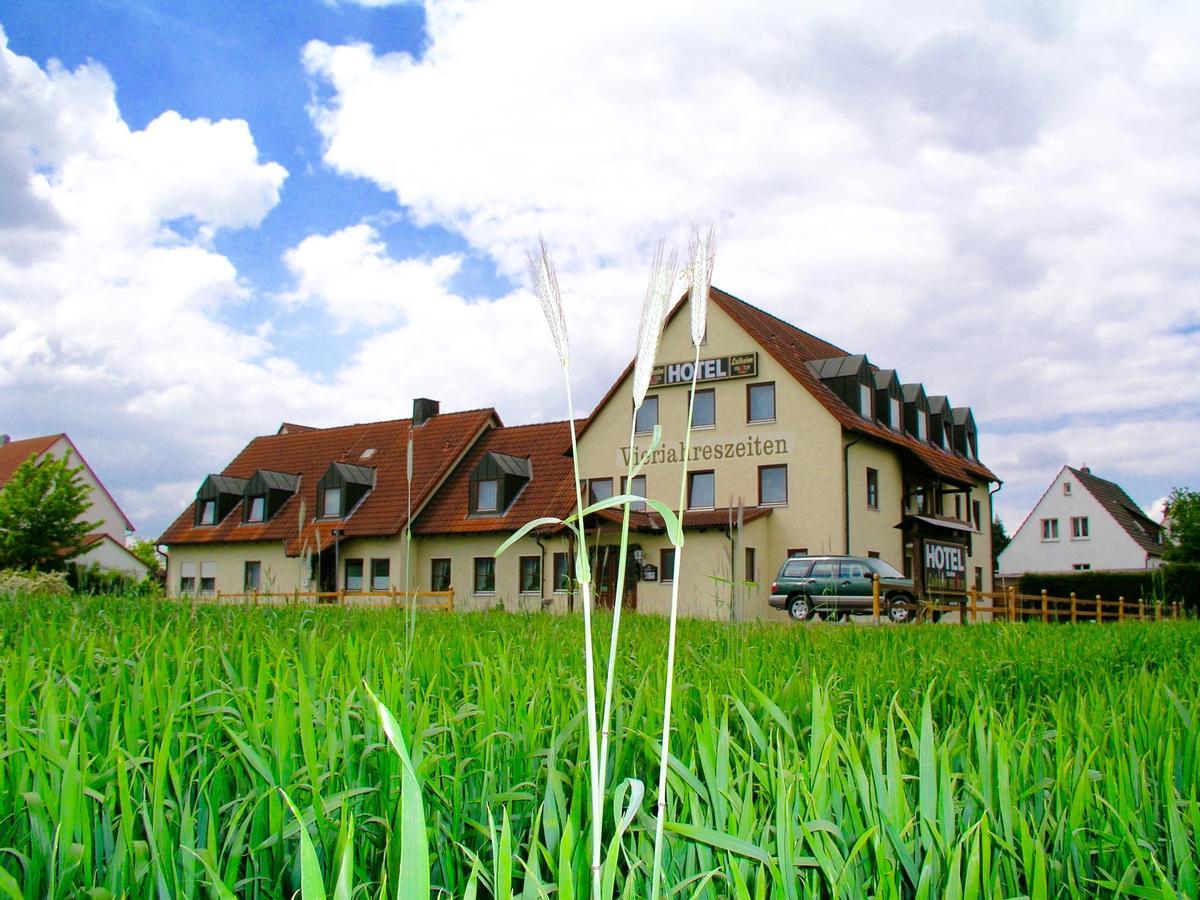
(1083, 522)
(106, 543)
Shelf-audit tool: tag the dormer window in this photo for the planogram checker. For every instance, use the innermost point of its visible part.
(265, 493)
(851, 378)
(487, 495)
(495, 483)
(866, 407)
(966, 436)
(342, 488)
(916, 411)
(217, 497)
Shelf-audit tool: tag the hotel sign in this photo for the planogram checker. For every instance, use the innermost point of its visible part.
(946, 560)
(741, 365)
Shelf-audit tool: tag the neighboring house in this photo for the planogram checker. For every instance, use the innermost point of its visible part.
(813, 449)
(106, 543)
(1083, 522)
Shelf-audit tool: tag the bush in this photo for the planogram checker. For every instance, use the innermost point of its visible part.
(15, 583)
(1181, 581)
(1109, 585)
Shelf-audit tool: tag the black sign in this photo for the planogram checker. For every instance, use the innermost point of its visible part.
(946, 560)
(742, 365)
(649, 573)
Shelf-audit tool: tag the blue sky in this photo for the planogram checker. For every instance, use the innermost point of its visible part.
(217, 216)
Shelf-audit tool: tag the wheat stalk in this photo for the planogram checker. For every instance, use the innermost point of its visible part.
(545, 285)
(654, 311)
(699, 280)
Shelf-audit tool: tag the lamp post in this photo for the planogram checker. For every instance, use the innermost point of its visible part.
(337, 534)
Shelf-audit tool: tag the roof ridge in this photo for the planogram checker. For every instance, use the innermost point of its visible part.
(782, 322)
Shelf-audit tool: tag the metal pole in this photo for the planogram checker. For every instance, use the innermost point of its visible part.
(875, 596)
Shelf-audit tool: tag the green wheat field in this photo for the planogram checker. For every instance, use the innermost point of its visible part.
(148, 748)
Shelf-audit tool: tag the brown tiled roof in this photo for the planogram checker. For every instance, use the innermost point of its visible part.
(550, 492)
(793, 349)
(1144, 530)
(437, 445)
(14, 453)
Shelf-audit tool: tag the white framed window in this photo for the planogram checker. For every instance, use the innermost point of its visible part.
(1066, 489)
(866, 397)
(894, 418)
(647, 415)
(208, 577)
(331, 503)
(530, 575)
(485, 575)
(252, 577)
(208, 512)
(187, 578)
(381, 574)
(1049, 529)
(354, 575)
(1079, 528)
(257, 510)
(487, 497)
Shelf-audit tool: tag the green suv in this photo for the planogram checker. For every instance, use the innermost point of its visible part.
(814, 587)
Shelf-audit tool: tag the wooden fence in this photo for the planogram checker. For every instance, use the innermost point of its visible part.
(1011, 606)
(425, 600)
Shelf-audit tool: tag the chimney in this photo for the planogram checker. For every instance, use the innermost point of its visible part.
(424, 409)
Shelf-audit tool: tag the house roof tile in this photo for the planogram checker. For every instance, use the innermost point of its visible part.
(1144, 530)
(437, 445)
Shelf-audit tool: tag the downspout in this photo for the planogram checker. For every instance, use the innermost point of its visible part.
(991, 519)
(542, 571)
(846, 484)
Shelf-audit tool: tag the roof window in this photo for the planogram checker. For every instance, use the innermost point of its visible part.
(342, 488)
(495, 482)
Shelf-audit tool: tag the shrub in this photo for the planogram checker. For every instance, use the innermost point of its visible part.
(1109, 585)
(15, 583)
(1181, 581)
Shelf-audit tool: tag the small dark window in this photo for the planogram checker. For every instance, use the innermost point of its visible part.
(638, 487)
(440, 577)
(873, 554)
(485, 575)
(760, 402)
(772, 485)
(873, 488)
(957, 506)
(799, 551)
(750, 574)
(647, 415)
(976, 513)
(531, 575)
(354, 575)
(208, 512)
(666, 565)
(704, 410)
(381, 574)
(252, 580)
(701, 490)
(562, 573)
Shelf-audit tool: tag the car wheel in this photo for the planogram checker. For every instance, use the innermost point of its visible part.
(798, 608)
(901, 610)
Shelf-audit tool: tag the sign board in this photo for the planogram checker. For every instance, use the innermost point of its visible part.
(740, 365)
(649, 573)
(948, 561)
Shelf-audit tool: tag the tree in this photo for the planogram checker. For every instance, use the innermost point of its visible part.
(41, 515)
(148, 553)
(1000, 540)
(1183, 526)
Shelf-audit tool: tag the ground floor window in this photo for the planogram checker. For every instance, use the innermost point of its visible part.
(1081, 567)
(440, 576)
(253, 576)
(381, 574)
(208, 577)
(562, 573)
(354, 575)
(187, 578)
(485, 575)
(531, 575)
(666, 565)
(750, 573)
(873, 488)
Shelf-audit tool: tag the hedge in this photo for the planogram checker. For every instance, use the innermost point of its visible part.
(1176, 581)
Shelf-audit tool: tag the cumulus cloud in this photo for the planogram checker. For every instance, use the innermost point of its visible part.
(997, 199)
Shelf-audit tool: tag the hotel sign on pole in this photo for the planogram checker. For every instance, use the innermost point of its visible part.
(741, 365)
(948, 561)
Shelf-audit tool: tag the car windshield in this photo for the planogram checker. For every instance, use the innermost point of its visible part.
(885, 569)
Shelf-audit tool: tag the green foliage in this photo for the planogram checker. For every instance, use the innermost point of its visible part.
(1183, 526)
(1000, 539)
(1181, 581)
(159, 758)
(40, 514)
(1109, 585)
(42, 584)
(147, 552)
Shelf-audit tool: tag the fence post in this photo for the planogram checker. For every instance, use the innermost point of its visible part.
(875, 597)
(1158, 610)
(1099, 609)
(1121, 608)
(1175, 607)
(1074, 609)
(1141, 609)
(1012, 603)
(218, 598)
(341, 598)
(973, 600)
(1045, 606)
(451, 599)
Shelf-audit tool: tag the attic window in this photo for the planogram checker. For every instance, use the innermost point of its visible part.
(368, 453)
(343, 487)
(496, 481)
(1066, 489)
(265, 493)
(217, 497)
(208, 512)
(894, 415)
